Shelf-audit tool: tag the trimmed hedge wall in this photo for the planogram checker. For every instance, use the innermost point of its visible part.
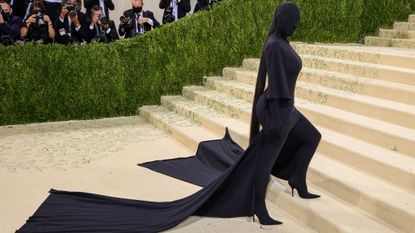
(382, 13)
(52, 82)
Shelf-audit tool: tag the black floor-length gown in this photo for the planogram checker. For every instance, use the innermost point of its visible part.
(234, 181)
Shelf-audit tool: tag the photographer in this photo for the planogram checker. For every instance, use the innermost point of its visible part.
(52, 8)
(70, 25)
(205, 4)
(38, 26)
(105, 5)
(136, 21)
(174, 9)
(100, 28)
(9, 24)
(18, 7)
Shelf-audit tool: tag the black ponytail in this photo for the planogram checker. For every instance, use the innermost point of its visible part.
(260, 83)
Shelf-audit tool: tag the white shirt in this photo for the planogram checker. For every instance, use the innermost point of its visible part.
(139, 29)
(173, 4)
(102, 5)
(70, 23)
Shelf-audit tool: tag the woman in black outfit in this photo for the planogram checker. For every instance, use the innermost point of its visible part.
(234, 181)
(274, 107)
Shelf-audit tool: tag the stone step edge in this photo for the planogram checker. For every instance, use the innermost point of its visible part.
(367, 124)
(241, 137)
(365, 105)
(374, 86)
(305, 206)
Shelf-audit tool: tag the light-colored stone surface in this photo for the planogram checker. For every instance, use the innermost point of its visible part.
(316, 213)
(401, 36)
(390, 42)
(113, 147)
(361, 100)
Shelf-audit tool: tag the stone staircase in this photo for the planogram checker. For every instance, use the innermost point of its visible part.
(362, 99)
(402, 35)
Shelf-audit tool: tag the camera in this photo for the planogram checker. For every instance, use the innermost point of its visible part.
(39, 19)
(101, 38)
(6, 40)
(168, 15)
(125, 22)
(104, 20)
(71, 9)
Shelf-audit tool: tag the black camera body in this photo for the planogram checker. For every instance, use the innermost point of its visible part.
(71, 9)
(39, 19)
(125, 22)
(6, 40)
(101, 38)
(168, 15)
(104, 20)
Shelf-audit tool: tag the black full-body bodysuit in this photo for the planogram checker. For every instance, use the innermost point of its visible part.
(234, 181)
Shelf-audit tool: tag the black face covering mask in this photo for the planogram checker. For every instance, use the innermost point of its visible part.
(137, 9)
(288, 18)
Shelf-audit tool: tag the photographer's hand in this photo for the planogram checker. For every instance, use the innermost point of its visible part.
(47, 20)
(64, 12)
(94, 21)
(142, 21)
(75, 20)
(30, 20)
(105, 26)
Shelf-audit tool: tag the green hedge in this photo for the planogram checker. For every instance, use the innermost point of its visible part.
(51, 83)
(382, 13)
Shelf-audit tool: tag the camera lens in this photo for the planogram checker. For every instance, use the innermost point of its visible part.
(72, 13)
(104, 20)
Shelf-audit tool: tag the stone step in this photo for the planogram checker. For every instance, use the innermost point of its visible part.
(391, 33)
(207, 117)
(367, 106)
(387, 135)
(238, 89)
(390, 42)
(175, 125)
(365, 86)
(379, 72)
(394, 112)
(236, 108)
(411, 18)
(404, 26)
(387, 90)
(317, 214)
(384, 134)
(357, 52)
(390, 166)
(385, 110)
(384, 201)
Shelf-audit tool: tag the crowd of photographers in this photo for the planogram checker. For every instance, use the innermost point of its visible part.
(63, 22)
